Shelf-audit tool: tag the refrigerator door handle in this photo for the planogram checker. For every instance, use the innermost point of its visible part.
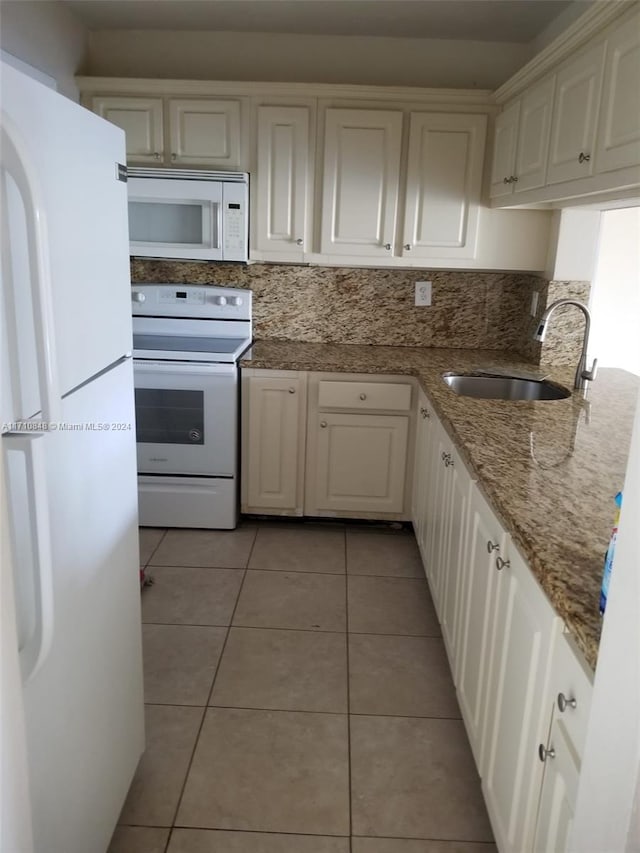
(37, 644)
(17, 166)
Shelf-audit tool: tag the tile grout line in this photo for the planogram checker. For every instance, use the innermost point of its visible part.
(301, 630)
(346, 639)
(204, 710)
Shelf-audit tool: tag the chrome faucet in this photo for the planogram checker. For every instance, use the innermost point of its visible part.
(582, 374)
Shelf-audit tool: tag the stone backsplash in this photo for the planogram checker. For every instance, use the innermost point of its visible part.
(368, 306)
(470, 310)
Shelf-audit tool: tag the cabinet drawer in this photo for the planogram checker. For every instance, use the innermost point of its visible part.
(364, 396)
(574, 682)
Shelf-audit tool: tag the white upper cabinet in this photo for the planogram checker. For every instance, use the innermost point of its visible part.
(142, 121)
(618, 143)
(575, 113)
(504, 151)
(205, 132)
(282, 183)
(533, 136)
(360, 187)
(444, 182)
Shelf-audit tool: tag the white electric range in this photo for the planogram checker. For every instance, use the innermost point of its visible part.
(187, 342)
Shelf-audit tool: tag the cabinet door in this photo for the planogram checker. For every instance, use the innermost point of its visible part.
(533, 136)
(559, 793)
(575, 113)
(359, 463)
(619, 125)
(504, 151)
(273, 456)
(360, 188)
(444, 181)
(141, 120)
(205, 132)
(438, 511)
(282, 181)
(423, 472)
(484, 534)
(454, 552)
(518, 705)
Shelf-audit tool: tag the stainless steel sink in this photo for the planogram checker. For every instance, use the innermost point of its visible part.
(504, 387)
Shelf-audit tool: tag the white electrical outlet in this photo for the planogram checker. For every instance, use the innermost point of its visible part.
(534, 303)
(423, 293)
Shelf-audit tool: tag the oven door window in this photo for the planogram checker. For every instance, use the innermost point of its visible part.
(169, 416)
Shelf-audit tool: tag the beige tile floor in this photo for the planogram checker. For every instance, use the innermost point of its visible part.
(298, 699)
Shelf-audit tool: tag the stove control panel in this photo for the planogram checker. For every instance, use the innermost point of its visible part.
(179, 300)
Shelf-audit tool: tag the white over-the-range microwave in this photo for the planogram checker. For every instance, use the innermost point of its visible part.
(188, 214)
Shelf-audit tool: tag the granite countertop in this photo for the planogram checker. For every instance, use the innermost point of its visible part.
(550, 470)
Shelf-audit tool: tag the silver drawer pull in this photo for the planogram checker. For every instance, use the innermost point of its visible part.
(564, 703)
(544, 753)
(363, 396)
(448, 462)
(424, 412)
(502, 564)
(292, 390)
(299, 241)
(492, 547)
(323, 424)
(584, 158)
(387, 246)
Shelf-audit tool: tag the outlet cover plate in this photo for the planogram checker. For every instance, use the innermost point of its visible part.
(423, 293)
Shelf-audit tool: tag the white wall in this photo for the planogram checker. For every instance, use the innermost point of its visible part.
(303, 58)
(606, 810)
(47, 36)
(615, 295)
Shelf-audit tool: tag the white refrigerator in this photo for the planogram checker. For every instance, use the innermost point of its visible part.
(71, 708)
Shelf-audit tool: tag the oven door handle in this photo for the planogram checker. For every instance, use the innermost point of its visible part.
(185, 368)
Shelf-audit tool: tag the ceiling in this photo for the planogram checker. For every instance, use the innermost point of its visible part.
(518, 21)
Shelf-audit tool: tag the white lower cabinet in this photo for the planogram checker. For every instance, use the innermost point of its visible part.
(561, 752)
(357, 443)
(486, 540)
(345, 454)
(524, 627)
(274, 412)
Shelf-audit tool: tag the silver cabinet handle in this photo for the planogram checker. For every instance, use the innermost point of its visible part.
(544, 753)
(491, 546)
(363, 396)
(502, 564)
(564, 703)
(299, 241)
(407, 247)
(514, 179)
(174, 157)
(506, 180)
(292, 390)
(583, 158)
(387, 246)
(323, 424)
(424, 412)
(448, 462)
(156, 155)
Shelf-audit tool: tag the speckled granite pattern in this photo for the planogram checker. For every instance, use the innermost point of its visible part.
(549, 469)
(470, 310)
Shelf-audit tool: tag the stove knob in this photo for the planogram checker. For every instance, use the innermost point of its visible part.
(220, 300)
(137, 296)
(235, 300)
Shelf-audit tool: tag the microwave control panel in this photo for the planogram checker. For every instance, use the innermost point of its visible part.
(236, 227)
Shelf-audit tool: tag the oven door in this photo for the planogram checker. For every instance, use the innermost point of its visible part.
(186, 418)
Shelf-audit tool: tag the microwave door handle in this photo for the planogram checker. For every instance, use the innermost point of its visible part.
(220, 234)
(39, 271)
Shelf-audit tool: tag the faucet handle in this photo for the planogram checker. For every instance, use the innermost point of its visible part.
(590, 375)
